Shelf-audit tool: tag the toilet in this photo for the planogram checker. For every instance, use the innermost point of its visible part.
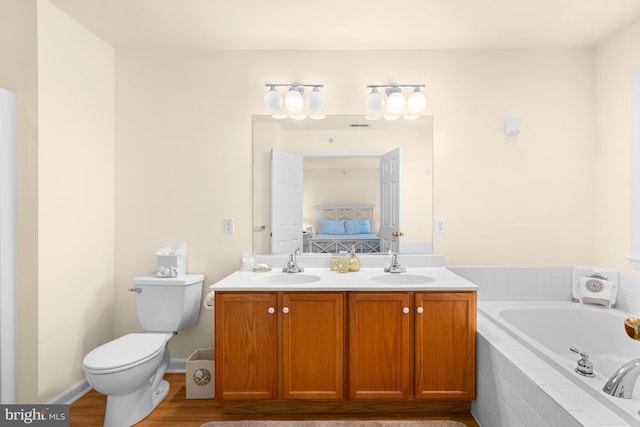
(130, 369)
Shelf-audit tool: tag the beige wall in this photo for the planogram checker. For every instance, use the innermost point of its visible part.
(63, 78)
(615, 61)
(182, 162)
(75, 198)
(183, 153)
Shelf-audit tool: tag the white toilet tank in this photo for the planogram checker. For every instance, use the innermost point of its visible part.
(168, 304)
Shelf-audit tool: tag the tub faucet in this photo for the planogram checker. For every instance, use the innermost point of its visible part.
(623, 380)
(395, 266)
(585, 367)
(292, 264)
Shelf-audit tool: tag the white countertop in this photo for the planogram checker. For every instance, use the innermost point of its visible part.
(327, 280)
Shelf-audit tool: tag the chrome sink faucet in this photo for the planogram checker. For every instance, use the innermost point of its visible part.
(623, 380)
(292, 264)
(395, 266)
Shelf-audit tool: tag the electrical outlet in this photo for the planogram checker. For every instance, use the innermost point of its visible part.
(228, 225)
(440, 226)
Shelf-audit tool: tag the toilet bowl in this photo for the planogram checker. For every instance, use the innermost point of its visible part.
(129, 369)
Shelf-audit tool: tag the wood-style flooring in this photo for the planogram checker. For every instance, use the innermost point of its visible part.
(177, 411)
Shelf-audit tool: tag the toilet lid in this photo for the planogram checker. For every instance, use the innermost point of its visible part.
(128, 350)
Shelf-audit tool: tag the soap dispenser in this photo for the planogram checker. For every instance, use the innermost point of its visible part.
(354, 261)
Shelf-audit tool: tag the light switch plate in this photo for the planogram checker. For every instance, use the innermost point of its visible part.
(228, 225)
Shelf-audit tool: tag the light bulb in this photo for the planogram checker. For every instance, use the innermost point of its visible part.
(315, 100)
(395, 102)
(294, 100)
(417, 101)
(375, 101)
(273, 100)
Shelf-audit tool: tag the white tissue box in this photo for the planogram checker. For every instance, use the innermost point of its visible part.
(177, 261)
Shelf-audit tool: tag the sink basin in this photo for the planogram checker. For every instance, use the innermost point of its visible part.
(287, 279)
(402, 279)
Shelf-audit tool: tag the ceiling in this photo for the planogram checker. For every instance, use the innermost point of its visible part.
(352, 24)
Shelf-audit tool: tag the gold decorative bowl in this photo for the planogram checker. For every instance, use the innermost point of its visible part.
(632, 326)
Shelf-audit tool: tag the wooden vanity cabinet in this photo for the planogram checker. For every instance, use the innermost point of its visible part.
(309, 345)
(379, 346)
(313, 346)
(279, 345)
(246, 345)
(421, 345)
(445, 345)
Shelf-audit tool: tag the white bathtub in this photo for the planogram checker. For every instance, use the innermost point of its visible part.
(548, 330)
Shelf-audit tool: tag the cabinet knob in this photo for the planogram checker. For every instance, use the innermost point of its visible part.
(405, 310)
(285, 310)
(420, 310)
(271, 310)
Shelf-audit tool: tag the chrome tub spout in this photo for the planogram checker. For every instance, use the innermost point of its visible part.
(623, 380)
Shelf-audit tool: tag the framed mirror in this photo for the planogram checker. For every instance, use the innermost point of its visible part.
(341, 168)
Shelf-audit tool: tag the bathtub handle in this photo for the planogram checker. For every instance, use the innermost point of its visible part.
(585, 367)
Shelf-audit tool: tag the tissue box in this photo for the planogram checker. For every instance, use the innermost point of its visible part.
(178, 261)
(200, 374)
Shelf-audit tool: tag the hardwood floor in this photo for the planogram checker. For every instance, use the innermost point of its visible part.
(177, 411)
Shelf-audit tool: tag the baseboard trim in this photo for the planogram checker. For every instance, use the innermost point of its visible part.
(79, 389)
(71, 394)
(177, 366)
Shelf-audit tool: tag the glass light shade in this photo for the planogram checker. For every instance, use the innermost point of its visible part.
(395, 102)
(298, 116)
(372, 116)
(279, 116)
(411, 116)
(375, 101)
(315, 100)
(417, 101)
(294, 100)
(317, 116)
(273, 100)
(391, 116)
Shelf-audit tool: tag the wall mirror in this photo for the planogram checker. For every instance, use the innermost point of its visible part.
(341, 173)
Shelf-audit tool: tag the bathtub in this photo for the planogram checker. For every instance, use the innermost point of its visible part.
(547, 330)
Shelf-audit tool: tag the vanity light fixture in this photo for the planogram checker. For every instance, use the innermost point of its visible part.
(396, 102)
(294, 102)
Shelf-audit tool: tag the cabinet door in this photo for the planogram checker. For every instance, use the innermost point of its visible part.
(313, 346)
(379, 363)
(445, 345)
(246, 346)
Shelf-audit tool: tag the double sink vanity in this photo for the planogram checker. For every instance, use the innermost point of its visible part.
(320, 341)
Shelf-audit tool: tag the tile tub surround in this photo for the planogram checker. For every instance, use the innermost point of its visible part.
(540, 284)
(515, 387)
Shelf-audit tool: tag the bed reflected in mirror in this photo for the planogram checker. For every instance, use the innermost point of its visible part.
(333, 191)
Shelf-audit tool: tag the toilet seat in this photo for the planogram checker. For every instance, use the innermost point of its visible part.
(125, 352)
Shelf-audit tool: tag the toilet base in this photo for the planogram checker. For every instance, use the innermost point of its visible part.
(129, 409)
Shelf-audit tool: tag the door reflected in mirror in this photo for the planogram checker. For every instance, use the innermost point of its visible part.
(340, 168)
